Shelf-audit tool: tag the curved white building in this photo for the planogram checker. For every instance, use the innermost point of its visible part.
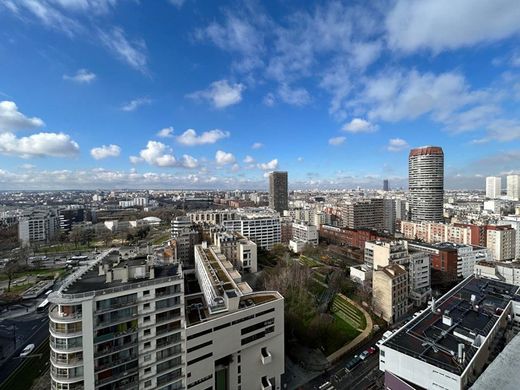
(426, 183)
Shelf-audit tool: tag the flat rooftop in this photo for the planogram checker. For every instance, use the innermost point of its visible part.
(472, 308)
(91, 281)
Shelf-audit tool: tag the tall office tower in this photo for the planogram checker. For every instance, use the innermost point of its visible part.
(278, 191)
(386, 186)
(426, 183)
(513, 187)
(493, 187)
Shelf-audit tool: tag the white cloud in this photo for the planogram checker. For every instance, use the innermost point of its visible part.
(156, 153)
(132, 52)
(177, 3)
(189, 161)
(294, 96)
(38, 145)
(249, 160)
(269, 166)
(335, 141)
(136, 103)
(223, 158)
(167, 132)
(300, 159)
(105, 151)
(220, 94)
(13, 120)
(397, 145)
(82, 76)
(444, 24)
(235, 168)
(190, 137)
(257, 145)
(358, 125)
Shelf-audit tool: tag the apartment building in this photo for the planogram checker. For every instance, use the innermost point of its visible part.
(38, 226)
(118, 322)
(390, 292)
(126, 321)
(493, 187)
(262, 227)
(436, 232)
(449, 345)
(514, 222)
(234, 337)
(241, 251)
(513, 187)
(363, 213)
(505, 271)
(211, 217)
(184, 237)
(306, 233)
(501, 241)
(278, 191)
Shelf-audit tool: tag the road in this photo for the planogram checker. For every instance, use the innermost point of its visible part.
(31, 330)
(362, 376)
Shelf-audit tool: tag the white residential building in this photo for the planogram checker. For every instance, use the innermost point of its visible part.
(501, 241)
(514, 222)
(305, 232)
(240, 250)
(262, 227)
(513, 187)
(38, 226)
(493, 187)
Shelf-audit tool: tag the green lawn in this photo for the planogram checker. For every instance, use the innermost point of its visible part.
(309, 262)
(348, 312)
(341, 333)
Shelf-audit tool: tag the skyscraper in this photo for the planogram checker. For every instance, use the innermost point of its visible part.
(493, 187)
(513, 187)
(426, 183)
(386, 187)
(278, 191)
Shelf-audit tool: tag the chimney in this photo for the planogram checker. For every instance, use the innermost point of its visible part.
(101, 270)
(109, 277)
(152, 272)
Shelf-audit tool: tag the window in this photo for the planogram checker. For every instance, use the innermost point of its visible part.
(146, 306)
(200, 358)
(147, 332)
(146, 319)
(147, 370)
(146, 292)
(196, 347)
(147, 357)
(147, 345)
(148, 384)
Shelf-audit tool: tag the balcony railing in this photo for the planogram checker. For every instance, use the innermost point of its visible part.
(63, 317)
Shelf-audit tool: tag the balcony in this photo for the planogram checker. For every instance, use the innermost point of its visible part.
(266, 384)
(266, 356)
(58, 316)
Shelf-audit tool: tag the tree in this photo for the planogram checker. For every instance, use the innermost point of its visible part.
(11, 268)
(75, 236)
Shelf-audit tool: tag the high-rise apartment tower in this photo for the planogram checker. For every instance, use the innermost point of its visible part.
(278, 191)
(493, 187)
(426, 183)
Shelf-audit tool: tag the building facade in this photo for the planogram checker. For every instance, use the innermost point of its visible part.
(501, 241)
(38, 226)
(278, 191)
(426, 183)
(513, 187)
(493, 187)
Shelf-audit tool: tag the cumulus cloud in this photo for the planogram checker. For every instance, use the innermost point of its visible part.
(189, 161)
(13, 120)
(443, 24)
(269, 166)
(105, 151)
(38, 145)
(358, 125)
(223, 158)
(397, 145)
(82, 76)
(167, 132)
(190, 137)
(133, 52)
(249, 160)
(220, 94)
(134, 104)
(257, 145)
(156, 153)
(269, 100)
(335, 141)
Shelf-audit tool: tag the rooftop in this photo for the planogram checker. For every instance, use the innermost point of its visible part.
(465, 315)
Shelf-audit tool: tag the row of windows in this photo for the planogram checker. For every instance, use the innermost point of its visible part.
(257, 336)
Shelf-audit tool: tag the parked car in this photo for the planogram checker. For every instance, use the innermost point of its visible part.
(352, 363)
(27, 350)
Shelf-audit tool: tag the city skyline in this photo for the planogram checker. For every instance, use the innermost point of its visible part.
(186, 94)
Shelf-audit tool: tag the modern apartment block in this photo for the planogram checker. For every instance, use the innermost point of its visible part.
(501, 241)
(390, 292)
(260, 226)
(240, 250)
(449, 345)
(426, 183)
(306, 233)
(514, 222)
(119, 323)
(493, 187)
(138, 322)
(363, 213)
(212, 217)
(436, 232)
(38, 226)
(513, 187)
(184, 237)
(278, 191)
(234, 337)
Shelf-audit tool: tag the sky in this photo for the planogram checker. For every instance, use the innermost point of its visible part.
(194, 94)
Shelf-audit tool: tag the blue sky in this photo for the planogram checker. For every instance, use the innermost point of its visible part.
(204, 94)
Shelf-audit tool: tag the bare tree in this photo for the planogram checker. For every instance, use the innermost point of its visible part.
(11, 268)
